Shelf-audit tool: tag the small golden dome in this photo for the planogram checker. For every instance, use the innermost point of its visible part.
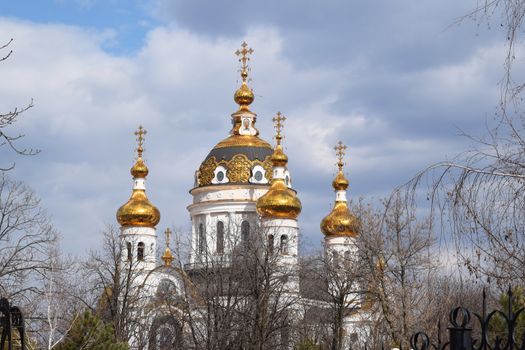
(340, 221)
(244, 97)
(279, 202)
(139, 169)
(340, 182)
(138, 211)
(167, 257)
(278, 157)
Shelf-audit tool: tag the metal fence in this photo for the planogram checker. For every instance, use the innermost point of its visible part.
(12, 325)
(494, 330)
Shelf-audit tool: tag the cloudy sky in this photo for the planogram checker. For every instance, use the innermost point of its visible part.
(397, 81)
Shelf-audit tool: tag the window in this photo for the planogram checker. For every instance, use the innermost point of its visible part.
(166, 291)
(130, 250)
(270, 244)
(202, 239)
(220, 237)
(283, 248)
(336, 259)
(140, 251)
(245, 232)
(347, 255)
(165, 334)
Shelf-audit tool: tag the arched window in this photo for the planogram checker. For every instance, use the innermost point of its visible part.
(283, 248)
(270, 244)
(140, 251)
(335, 258)
(347, 255)
(166, 334)
(166, 291)
(245, 232)
(202, 239)
(220, 237)
(130, 250)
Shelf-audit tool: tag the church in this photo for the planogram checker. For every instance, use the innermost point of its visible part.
(243, 207)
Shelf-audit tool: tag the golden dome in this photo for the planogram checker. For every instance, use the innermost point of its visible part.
(167, 257)
(340, 221)
(278, 157)
(139, 169)
(243, 150)
(280, 201)
(138, 211)
(244, 97)
(340, 182)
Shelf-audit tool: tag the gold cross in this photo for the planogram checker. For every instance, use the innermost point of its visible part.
(243, 53)
(340, 149)
(168, 234)
(278, 125)
(140, 139)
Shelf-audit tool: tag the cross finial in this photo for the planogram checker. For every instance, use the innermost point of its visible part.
(140, 139)
(340, 149)
(243, 54)
(168, 233)
(278, 125)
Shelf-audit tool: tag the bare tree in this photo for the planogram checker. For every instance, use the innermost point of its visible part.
(114, 289)
(245, 299)
(397, 250)
(25, 239)
(478, 195)
(478, 198)
(9, 118)
(509, 15)
(334, 288)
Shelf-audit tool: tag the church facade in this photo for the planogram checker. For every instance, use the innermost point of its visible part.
(242, 201)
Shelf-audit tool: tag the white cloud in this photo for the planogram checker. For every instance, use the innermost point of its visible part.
(180, 86)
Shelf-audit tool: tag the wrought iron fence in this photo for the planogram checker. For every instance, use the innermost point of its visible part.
(12, 325)
(480, 334)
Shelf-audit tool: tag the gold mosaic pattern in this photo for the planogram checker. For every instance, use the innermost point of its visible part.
(238, 169)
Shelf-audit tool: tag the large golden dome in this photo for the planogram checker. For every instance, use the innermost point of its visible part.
(240, 153)
(138, 210)
(340, 221)
(280, 201)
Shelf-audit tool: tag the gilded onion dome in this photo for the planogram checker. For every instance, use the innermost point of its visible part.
(340, 221)
(280, 201)
(243, 151)
(138, 210)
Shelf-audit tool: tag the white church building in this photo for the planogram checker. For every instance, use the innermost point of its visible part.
(242, 193)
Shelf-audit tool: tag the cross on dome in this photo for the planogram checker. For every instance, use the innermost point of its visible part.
(340, 150)
(243, 54)
(168, 233)
(278, 125)
(140, 139)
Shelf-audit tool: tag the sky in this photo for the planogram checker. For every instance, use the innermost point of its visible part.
(396, 81)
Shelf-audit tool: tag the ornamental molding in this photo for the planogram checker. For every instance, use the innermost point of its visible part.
(238, 169)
